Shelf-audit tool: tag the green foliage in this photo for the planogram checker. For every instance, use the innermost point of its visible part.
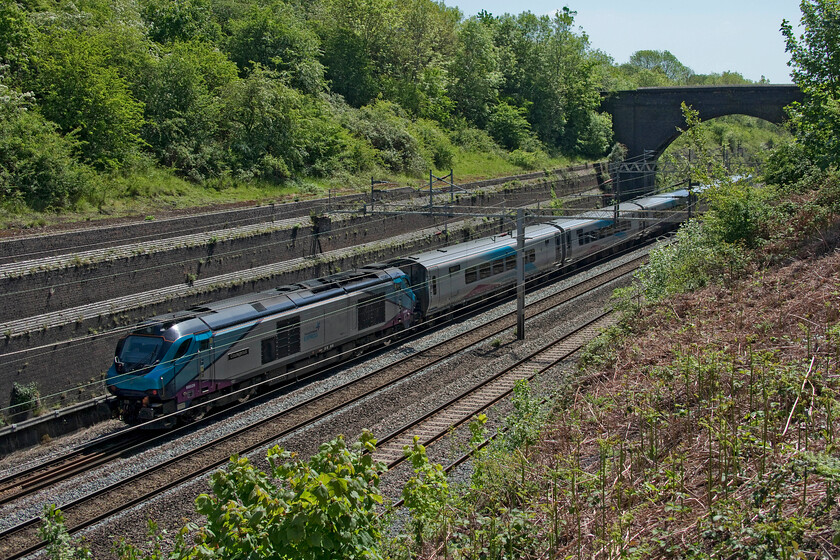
(260, 127)
(435, 145)
(320, 509)
(16, 33)
(736, 211)
(426, 494)
(527, 159)
(693, 261)
(186, 20)
(349, 67)
(787, 165)
(509, 126)
(38, 167)
(59, 544)
(81, 92)
(815, 60)
(522, 426)
(662, 61)
(183, 111)
(474, 73)
(595, 139)
(222, 92)
(385, 127)
(601, 350)
(24, 398)
(275, 38)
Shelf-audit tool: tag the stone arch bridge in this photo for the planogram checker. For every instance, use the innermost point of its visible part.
(646, 120)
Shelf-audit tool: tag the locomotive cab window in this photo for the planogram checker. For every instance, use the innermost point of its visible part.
(182, 349)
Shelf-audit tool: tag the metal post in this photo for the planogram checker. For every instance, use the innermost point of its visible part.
(520, 274)
(451, 186)
(431, 193)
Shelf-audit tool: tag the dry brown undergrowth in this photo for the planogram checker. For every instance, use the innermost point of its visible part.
(714, 401)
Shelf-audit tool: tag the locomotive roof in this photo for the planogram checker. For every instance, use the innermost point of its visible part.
(247, 307)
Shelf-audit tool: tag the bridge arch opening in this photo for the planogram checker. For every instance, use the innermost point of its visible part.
(738, 140)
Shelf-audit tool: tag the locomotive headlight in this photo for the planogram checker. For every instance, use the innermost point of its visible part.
(145, 401)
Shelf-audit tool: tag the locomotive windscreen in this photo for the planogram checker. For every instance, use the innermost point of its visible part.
(139, 351)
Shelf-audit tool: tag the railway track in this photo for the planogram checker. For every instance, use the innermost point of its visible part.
(44, 475)
(439, 422)
(22, 539)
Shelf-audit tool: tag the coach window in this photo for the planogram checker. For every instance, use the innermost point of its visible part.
(471, 275)
(510, 262)
(434, 285)
(531, 255)
(454, 269)
(498, 266)
(484, 271)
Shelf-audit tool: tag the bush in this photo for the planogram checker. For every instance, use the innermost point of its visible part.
(435, 144)
(24, 398)
(736, 211)
(787, 165)
(319, 509)
(385, 127)
(509, 126)
(693, 261)
(79, 89)
(594, 140)
(527, 159)
(475, 140)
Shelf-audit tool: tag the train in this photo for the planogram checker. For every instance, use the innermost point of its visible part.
(190, 361)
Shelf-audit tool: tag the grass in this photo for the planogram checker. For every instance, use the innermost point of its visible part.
(152, 191)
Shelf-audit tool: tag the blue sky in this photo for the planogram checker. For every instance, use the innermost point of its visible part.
(706, 35)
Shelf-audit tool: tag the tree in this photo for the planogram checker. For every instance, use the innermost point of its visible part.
(475, 78)
(259, 126)
(185, 20)
(16, 33)
(815, 60)
(183, 109)
(509, 126)
(38, 167)
(349, 67)
(667, 63)
(81, 92)
(277, 39)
